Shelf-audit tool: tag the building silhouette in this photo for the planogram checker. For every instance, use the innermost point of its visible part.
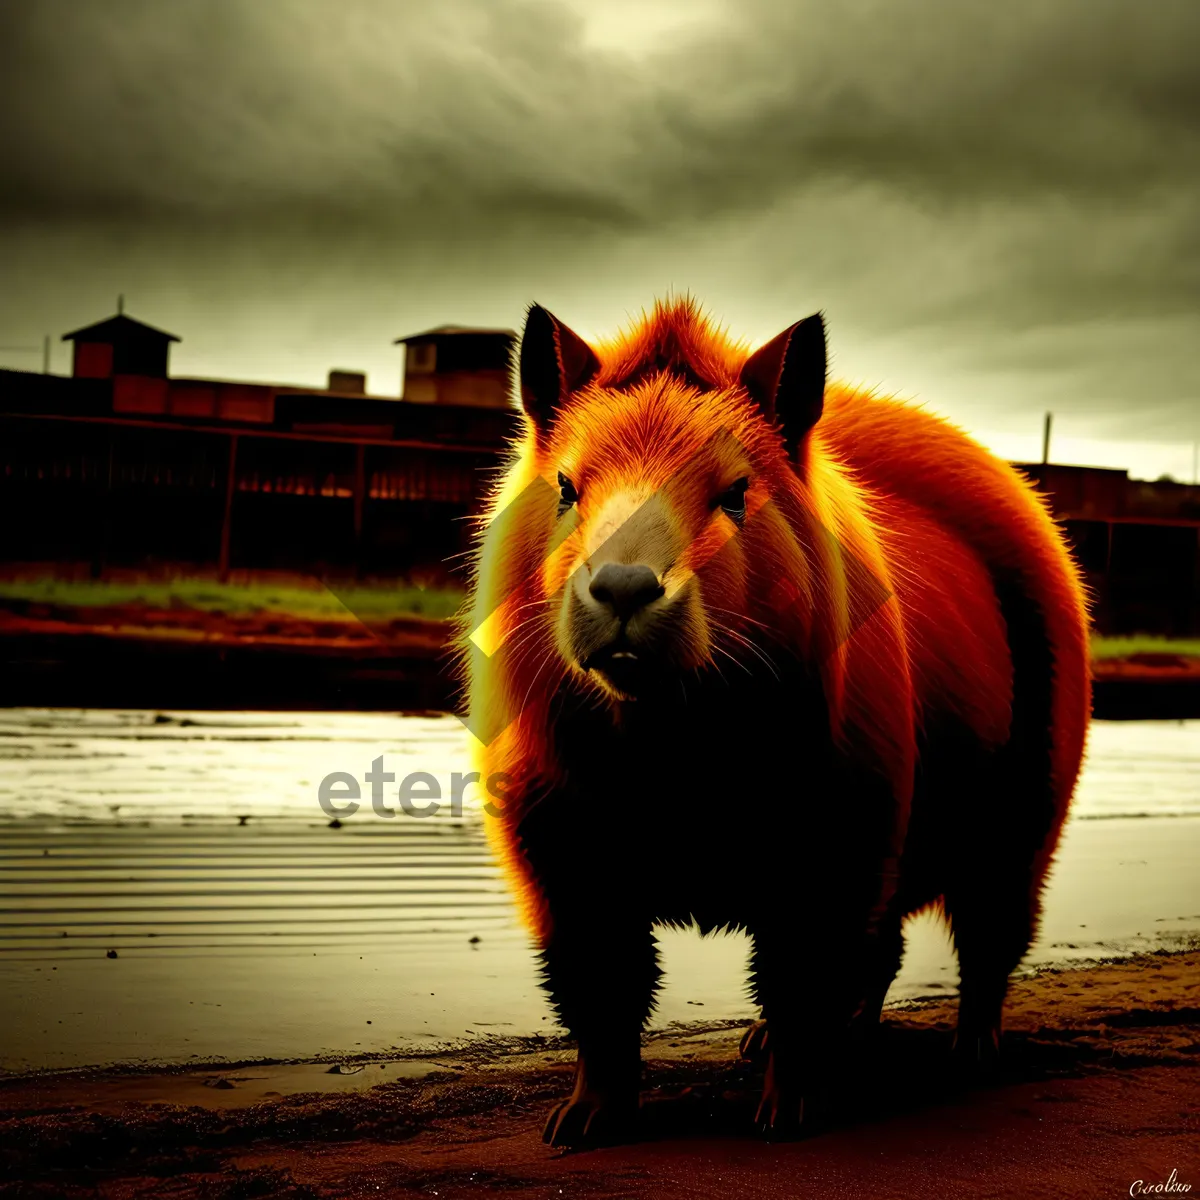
(1138, 542)
(456, 364)
(122, 464)
(120, 346)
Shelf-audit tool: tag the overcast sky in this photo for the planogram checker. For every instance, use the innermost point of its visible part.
(996, 205)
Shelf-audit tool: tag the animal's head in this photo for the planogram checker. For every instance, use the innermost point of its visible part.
(647, 517)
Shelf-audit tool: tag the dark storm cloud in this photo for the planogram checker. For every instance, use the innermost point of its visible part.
(498, 109)
(962, 171)
(294, 110)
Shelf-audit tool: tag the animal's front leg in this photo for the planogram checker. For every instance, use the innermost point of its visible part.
(601, 977)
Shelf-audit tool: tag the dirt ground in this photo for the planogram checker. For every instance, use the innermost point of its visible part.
(419, 636)
(1099, 1093)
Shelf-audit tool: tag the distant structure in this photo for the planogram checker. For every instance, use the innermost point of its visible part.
(122, 464)
(120, 346)
(347, 383)
(1138, 542)
(458, 364)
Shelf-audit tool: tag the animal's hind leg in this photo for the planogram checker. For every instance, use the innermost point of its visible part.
(1001, 842)
(993, 911)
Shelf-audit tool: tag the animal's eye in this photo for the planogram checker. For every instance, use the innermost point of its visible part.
(733, 499)
(567, 495)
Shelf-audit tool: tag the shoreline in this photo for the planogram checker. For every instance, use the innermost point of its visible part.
(1100, 1087)
(487, 1050)
(103, 659)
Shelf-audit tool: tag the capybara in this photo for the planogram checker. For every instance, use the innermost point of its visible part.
(751, 650)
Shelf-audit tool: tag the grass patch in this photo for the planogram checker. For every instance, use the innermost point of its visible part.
(368, 602)
(1122, 647)
(315, 600)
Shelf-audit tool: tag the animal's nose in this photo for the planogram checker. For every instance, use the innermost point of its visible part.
(625, 587)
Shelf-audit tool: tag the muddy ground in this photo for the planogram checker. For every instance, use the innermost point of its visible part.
(1100, 1089)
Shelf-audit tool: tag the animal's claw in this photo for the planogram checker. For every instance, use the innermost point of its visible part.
(754, 1042)
(780, 1116)
(587, 1121)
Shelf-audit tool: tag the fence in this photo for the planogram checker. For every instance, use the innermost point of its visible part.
(113, 491)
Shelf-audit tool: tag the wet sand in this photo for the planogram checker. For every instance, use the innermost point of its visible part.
(1100, 1088)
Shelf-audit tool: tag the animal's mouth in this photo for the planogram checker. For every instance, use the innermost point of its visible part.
(628, 668)
(631, 656)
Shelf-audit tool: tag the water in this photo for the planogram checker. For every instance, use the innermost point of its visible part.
(193, 845)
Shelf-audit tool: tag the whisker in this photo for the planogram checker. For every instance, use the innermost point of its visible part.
(742, 640)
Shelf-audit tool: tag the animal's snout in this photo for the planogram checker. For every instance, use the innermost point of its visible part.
(625, 587)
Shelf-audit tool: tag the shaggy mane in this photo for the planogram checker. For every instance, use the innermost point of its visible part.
(676, 337)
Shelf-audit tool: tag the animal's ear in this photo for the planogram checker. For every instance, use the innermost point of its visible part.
(786, 378)
(555, 361)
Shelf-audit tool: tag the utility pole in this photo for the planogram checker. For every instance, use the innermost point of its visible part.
(46, 355)
(1046, 438)
(121, 305)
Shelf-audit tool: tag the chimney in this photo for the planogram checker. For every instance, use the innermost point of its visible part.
(354, 382)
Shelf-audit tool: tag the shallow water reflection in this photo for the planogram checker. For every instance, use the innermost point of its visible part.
(192, 846)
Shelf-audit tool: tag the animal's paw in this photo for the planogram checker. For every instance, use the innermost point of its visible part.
(589, 1120)
(786, 1110)
(754, 1042)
